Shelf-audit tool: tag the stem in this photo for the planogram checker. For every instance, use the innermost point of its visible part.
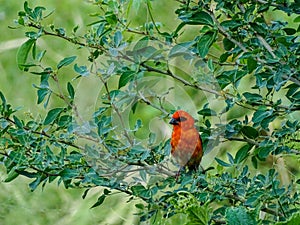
(266, 45)
(266, 2)
(143, 98)
(183, 81)
(126, 134)
(151, 17)
(249, 141)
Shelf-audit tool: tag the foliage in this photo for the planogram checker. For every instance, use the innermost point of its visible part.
(240, 59)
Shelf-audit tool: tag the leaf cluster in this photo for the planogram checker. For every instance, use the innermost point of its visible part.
(240, 59)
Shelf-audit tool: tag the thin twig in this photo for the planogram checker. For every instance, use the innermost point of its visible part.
(225, 33)
(242, 200)
(43, 133)
(269, 3)
(266, 45)
(249, 141)
(257, 144)
(145, 100)
(116, 109)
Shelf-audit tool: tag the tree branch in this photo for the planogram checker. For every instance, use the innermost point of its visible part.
(43, 133)
(242, 200)
(266, 45)
(225, 33)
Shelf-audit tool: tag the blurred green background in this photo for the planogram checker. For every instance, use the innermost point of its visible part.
(54, 204)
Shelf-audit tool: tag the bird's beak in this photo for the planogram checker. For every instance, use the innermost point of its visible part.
(173, 121)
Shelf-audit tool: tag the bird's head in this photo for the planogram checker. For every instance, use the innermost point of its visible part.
(182, 119)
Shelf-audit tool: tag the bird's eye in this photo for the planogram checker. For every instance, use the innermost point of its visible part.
(182, 118)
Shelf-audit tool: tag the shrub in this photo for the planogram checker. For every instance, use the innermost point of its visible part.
(231, 63)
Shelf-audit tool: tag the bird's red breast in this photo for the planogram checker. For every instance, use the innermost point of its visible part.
(185, 142)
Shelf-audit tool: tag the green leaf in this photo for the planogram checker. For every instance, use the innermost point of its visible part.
(254, 199)
(198, 215)
(230, 158)
(100, 200)
(70, 90)
(249, 132)
(139, 206)
(207, 112)
(101, 29)
(27, 9)
(138, 124)
(68, 173)
(27, 174)
(33, 185)
(66, 61)
(264, 151)
(257, 27)
(292, 89)
(3, 99)
(242, 154)
(82, 70)
(181, 49)
(126, 77)
(61, 31)
(205, 42)
(297, 19)
(289, 31)
(179, 27)
(251, 64)
(224, 57)
(118, 38)
(210, 65)
(141, 44)
(150, 52)
(52, 115)
(64, 120)
(4, 124)
(197, 18)
(292, 221)
(222, 163)
(228, 45)
(111, 18)
(42, 93)
(85, 193)
(140, 191)
(99, 112)
(23, 52)
(134, 107)
(231, 24)
(106, 191)
(33, 51)
(239, 216)
(254, 161)
(261, 114)
(104, 125)
(151, 138)
(252, 97)
(18, 122)
(11, 175)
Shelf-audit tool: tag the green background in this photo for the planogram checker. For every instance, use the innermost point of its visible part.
(54, 204)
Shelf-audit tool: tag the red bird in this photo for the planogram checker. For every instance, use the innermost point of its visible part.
(186, 142)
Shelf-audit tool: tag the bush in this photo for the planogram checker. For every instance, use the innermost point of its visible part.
(231, 64)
